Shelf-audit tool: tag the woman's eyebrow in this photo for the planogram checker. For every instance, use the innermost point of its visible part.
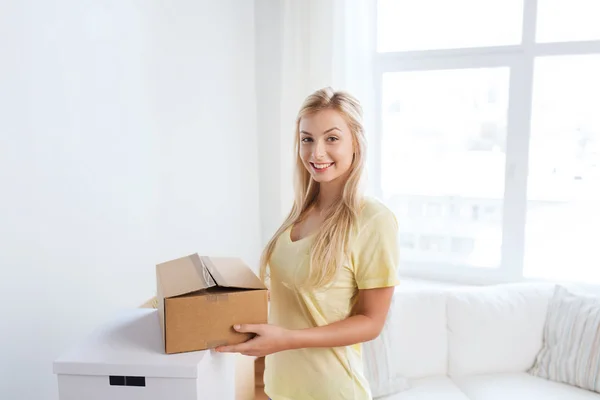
(327, 131)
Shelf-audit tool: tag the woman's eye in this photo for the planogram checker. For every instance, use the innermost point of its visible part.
(332, 139)
(306, 140)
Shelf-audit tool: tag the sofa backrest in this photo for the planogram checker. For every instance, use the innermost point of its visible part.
(495, 328)
(460, 331)
(413, 343)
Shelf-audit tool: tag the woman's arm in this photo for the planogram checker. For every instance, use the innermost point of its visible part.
(365, 323)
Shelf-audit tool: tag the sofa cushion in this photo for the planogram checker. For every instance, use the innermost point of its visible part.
(412, 344)
(418, 332)
(380, 361)
(519, 386)
(437, 388)
(571, 351)
(496, 328)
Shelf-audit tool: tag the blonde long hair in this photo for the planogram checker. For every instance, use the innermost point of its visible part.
(330, 247)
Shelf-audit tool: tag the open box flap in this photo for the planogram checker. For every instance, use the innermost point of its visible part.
(183, 275)
(231, 272)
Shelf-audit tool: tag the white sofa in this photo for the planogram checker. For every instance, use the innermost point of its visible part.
(465, 343)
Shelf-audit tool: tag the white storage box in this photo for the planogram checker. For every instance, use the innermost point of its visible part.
(125, 360)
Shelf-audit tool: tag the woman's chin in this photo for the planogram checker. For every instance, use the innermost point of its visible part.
(322, 178)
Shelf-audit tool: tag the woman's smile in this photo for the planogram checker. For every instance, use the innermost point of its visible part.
(321, 167)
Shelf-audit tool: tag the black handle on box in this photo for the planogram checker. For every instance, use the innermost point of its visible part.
(115, 380)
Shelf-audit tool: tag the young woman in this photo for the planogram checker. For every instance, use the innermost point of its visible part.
(331, 266)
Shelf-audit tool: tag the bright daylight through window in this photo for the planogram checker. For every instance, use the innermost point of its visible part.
(489, 136)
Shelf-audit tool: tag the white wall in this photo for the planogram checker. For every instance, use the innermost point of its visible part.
(290, 66)
(274, 158)
(127, 137)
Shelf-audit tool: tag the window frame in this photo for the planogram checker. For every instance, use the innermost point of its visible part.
(519, 59)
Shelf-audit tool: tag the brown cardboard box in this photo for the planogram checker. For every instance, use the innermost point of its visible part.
(201, 298)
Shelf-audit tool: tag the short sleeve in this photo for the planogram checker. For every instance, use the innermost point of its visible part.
(375, 255)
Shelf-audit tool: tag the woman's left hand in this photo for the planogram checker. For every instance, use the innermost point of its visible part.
(270, 339)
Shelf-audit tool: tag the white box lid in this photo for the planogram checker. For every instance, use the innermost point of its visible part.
(132, 345)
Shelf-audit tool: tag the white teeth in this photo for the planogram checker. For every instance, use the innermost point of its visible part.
(322, 166)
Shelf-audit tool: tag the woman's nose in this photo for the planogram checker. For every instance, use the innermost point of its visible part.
(319, 150)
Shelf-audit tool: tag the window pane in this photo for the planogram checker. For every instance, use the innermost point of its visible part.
(563, 197)
(443, 160)
(404, 25)
(562, 20)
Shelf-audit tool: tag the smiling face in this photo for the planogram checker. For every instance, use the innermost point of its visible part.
(326, 145)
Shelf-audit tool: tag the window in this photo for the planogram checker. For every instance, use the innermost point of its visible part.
(563, 21)
(407, 241)
(563, 194)
(463, 246)
(433, 210)
(489, 136)
(405, 25)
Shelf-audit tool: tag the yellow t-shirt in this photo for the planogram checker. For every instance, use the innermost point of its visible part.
(327, 373)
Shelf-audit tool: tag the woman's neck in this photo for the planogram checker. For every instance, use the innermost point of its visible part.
(329, 194)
